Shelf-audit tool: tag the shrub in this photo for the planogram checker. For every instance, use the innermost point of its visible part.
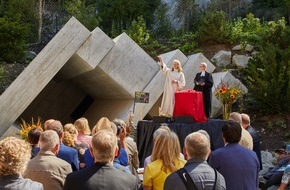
(214, 27)
(138, 31)
(268, 79)
(185, 42)
(13, 38)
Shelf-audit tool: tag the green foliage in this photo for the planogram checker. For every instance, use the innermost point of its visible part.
(154, 48)
(277, 124)
(185, 42)
(13, 39)
(214, 28)
(85, 13)
(119, 14)
(24, 12)
(138, 31)
(251, 30)
(268, 79)
(2, 74)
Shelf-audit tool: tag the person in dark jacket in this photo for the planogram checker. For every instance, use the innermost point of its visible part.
(203, 82)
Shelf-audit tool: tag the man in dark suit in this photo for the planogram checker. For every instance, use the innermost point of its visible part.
(239, 165)
(246, 124)
(102, 175)
(203, 82)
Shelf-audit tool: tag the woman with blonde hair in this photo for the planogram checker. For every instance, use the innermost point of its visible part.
(165, 160)
(14, 157)
(84, 132)
(174, 82)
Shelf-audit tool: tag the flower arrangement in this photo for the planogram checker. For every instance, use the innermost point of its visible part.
(26, 127)
(227, 95)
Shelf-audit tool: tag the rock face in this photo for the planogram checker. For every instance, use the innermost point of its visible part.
(222, 58)
(241, 60)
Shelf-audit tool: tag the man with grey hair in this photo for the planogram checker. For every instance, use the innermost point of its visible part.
(246, 138)
(203, 82)
(66, 153)
(102, 175)
(46, 168)
(196, 149)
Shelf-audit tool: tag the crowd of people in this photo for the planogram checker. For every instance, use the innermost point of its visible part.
(74, 157)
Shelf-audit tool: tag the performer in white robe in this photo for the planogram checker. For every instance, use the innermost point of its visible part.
(174, 81)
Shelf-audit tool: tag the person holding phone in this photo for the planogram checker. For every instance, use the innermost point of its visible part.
(174, 81)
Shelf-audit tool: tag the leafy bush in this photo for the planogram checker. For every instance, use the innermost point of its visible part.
(268, 79)
(85, 13)
(2, 74)
(13, 38)
(214, 27)
(251, 30)
(138, 31)
(185, 42)
(247, 30)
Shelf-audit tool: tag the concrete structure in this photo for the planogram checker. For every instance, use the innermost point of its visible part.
(87, 74)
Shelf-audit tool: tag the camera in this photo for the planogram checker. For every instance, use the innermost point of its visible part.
(119, 129)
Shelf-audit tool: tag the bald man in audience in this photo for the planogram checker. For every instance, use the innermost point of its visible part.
(246, 138)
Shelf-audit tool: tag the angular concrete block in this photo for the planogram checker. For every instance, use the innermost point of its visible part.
(228, 78)
(129, 65)
(191, 67)
(222, 58)
(40, 71)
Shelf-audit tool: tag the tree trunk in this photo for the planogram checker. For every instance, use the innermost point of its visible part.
(40, 11)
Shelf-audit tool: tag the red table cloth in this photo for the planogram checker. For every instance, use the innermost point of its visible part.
(189, 103)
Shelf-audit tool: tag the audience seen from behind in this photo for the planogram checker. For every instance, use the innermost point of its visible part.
(79, 146)
(165, 160)
(196, 150)
(246, 124)
(239, 165)
(117, 163)
(161, 129)
(132, 151)
(84, 132)
(66, 153)
(14, 157)
(46, 168)
(246, 138)
(33, 139)
(105, 124)
(102, 175)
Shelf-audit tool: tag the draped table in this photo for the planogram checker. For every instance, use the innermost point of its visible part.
(189, 103)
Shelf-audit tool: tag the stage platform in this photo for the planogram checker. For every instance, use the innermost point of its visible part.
(146, 128)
